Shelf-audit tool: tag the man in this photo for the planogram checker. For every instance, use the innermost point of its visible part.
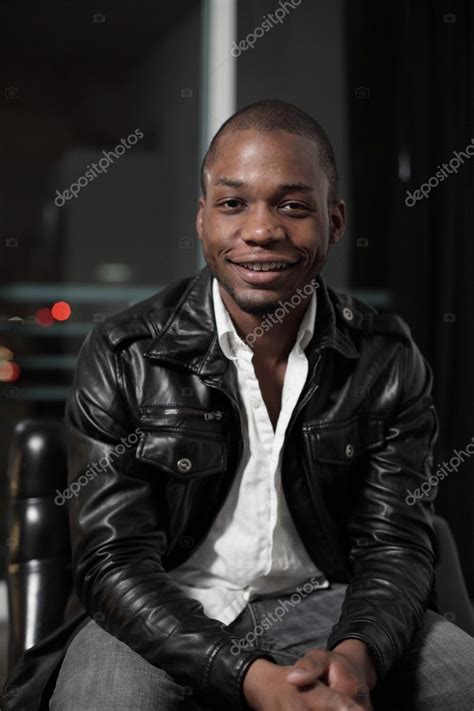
(246, 542)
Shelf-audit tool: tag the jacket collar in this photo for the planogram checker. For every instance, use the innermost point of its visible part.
(189, 338)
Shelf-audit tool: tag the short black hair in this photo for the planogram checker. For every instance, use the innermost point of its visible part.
(276, 115)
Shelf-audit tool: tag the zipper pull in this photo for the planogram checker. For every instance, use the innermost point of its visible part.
(216, 415)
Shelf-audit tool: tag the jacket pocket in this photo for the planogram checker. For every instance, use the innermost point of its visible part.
(344, 442)
(338, 454)
(183, 455)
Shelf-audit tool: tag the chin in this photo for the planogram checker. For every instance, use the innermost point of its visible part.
(259, 305)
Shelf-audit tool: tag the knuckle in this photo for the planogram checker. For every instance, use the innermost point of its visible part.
(304, 664)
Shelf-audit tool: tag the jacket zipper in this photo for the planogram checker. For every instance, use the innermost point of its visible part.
(196, 411)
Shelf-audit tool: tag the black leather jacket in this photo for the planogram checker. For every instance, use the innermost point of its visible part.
(154, 408)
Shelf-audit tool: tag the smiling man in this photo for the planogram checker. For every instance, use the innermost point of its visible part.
(254, 549)
(266, 221)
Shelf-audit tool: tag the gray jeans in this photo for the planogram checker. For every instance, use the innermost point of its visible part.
(436, 672)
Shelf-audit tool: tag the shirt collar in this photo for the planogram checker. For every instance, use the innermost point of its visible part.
(230, 340)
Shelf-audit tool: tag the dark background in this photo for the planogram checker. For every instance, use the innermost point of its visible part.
(392, 84)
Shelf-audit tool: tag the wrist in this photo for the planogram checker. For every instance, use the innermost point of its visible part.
(254, 680)
(358, 652)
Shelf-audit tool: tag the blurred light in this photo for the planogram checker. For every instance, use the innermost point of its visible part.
(114, 272)
(44, 317)
(35, 444)
(404, 166)
(32, 515)
(5, 353)
(61, 310)
(9, 371)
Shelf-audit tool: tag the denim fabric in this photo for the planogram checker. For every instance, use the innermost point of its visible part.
(436, 672)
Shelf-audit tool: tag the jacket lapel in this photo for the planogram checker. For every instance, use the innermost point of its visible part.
(189, 338)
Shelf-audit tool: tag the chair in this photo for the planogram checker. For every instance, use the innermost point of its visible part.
(39, 579)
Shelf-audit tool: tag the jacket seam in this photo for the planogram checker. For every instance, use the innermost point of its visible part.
(209, 351)
(172, 315)
(120, 380)
(372, 622)
(210, 662)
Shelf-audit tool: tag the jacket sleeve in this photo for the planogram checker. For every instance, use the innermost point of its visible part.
(391, 533)
(118, 540)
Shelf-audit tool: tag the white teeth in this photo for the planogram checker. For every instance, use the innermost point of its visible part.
(265, 266)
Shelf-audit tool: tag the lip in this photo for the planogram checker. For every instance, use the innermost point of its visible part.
(252, 260)
(258, 278)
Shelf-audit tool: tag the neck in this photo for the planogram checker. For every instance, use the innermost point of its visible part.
(273, 345)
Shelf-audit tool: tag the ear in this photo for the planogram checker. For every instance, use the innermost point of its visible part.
(199, 216)
(337, 219)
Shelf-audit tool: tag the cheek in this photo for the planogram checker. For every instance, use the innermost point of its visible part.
(220, 233)
(213, 224)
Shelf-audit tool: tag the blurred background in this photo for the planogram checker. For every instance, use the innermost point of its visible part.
(391, 83)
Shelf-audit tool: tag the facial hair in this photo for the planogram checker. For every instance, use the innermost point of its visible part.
(248, 302)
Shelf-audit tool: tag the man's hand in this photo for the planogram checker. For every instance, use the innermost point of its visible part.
(320, 681)
(348, 669)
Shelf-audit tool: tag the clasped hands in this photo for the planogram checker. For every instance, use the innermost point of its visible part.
(320, 681)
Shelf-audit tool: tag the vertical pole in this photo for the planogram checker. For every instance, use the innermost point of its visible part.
(218, 74)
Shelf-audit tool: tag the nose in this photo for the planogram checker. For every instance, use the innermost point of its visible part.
(262, 225)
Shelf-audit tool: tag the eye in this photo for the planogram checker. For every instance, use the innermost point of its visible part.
(295, 206)
(230, 203)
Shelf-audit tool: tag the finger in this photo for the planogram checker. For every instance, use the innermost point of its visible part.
(326, 699)
(345, 684)
(360, 695)
(310, 668)
(345, 681)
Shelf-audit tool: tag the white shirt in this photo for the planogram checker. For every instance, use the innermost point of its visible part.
(253, 548)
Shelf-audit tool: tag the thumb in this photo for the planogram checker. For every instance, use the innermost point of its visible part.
(307, 671)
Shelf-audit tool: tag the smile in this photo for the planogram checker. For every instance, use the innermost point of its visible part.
(264, 266)
(260, 273)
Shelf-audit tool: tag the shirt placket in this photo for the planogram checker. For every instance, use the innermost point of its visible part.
(263, 436)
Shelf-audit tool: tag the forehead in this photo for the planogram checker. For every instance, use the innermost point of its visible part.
(252, 155)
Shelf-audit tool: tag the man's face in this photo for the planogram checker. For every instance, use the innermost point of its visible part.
(266, 201)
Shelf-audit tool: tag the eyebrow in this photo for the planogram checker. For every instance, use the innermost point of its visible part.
(284, 187)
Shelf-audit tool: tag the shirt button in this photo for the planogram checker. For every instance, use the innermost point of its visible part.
(348, 314)
(349, 451)
(254, 402)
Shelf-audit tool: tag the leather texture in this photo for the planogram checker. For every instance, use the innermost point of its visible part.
(361, 435)
(41, 559)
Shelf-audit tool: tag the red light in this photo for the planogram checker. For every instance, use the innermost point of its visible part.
(44, 317)
(61, 310)
(9, 371)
